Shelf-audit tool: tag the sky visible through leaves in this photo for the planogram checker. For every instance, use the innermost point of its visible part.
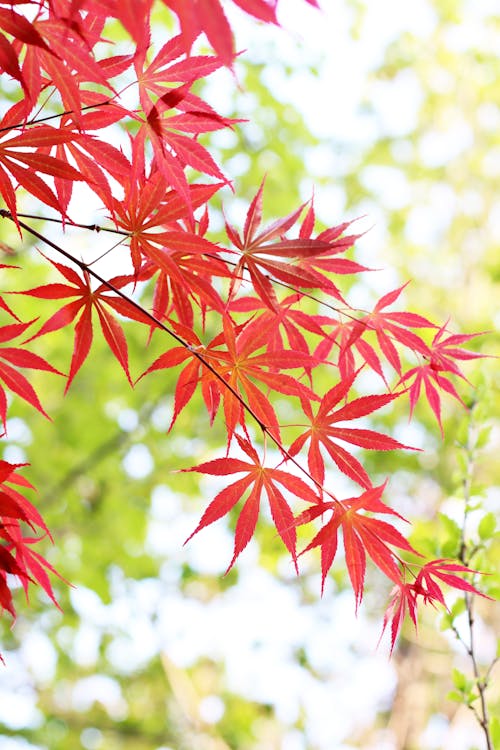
(260, 609)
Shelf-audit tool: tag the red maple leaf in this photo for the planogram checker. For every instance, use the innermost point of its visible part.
(243, 362)
(390, 327)
(405, 596)
(87, 301)
(174, 136)
(403, 599)
(10, 359)
(361, 533)
(166, 68)
(283, 316)
(440, 357)
(257, 479)
(193, 373)
(444, 570)
(24, 165)
(323, 432)
(16, 555)
(264, 254)
(235, 360)
(148, 213)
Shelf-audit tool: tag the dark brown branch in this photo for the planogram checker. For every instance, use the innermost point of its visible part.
(37, 120)
(159, 324)
(97, 228)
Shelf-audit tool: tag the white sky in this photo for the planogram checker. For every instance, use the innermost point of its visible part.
(256, 626)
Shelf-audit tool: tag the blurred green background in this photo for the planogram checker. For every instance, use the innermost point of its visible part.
(393, 114)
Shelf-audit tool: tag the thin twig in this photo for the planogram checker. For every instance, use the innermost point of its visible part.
(278, 282)
(465, 556)
(36, 120)
(158, 323)
(92, 227)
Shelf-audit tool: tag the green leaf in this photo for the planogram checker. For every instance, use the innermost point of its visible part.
(484, 437)
(452, 535)
(487, 526)
(462, 432)
(457, 608)
(459, 680)
(445, 622)
(461, 460)
(495, 731)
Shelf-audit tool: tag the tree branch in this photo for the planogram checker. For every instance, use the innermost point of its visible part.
(159, 324)
(465, 556)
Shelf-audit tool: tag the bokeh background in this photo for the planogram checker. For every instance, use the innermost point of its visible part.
(389, 113)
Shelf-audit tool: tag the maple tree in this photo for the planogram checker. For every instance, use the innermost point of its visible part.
(257, 318)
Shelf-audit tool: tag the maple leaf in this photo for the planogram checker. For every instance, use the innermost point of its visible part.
(444, 352)
(323, 432)
(403, 599)
(241, 363)
(362, 534)
(440, 356)
(166, 68)
(193, 373)
(173, 149)
(235, 362)
(87, 301)
(337, 242)
(444, 570)
(260, 251)
(148, 213)
(10, 359)
(404, 596)
(31, 162)
(283, 315)
(16, 555)
(257, 479)
(390, 327)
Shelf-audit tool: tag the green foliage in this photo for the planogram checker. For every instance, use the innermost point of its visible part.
(103, 518)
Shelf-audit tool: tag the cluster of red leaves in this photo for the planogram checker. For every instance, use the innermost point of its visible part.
(17, 558)
(243, 313)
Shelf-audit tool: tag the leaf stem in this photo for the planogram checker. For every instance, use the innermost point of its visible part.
(36, 120)
(278, 282)
(91, 227)
(158, 323)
